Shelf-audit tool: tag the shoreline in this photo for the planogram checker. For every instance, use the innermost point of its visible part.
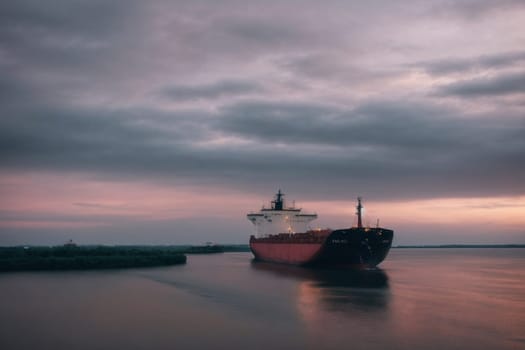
(85, 258)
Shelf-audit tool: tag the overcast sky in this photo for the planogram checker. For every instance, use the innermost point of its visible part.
(165, 122)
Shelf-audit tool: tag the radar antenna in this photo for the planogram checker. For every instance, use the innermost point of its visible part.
(359, 207)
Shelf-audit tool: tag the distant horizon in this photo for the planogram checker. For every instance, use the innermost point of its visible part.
(454, 245)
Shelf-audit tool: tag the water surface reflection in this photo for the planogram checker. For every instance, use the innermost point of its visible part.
(335, 290)
(421, 299)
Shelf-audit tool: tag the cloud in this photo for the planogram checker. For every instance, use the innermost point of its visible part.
(77, 97)
(262, 30)
(336, 67)
(100, 206)
(474, 9)
(63, 32)
(484, 62)
(381, 146)
(96, 139)
(215, 90)
(384, 125)
(503, 84)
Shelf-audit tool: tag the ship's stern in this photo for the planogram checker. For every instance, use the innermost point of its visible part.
(356, 247)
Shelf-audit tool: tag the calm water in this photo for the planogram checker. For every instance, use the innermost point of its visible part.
(420, 299)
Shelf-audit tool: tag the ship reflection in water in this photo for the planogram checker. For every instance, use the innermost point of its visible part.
(328, 294)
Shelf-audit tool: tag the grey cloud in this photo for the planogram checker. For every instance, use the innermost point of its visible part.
(7, 215)
(335, 67)
(460, 65)
(68, 60)
(503, 84)
(243, 37)
(411, 145)
(381, 147)
(103, 50)
(471, 10)
(262, 31)
(61, 28)
(13, 90)
(94, 139)
(210, 91)
(69, 49)
(61, 14)
(379, 124)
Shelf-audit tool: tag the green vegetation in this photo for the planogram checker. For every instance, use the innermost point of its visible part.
(86, 257)
(216, 248)
(205, 249)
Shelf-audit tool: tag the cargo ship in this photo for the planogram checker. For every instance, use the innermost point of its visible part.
(283, 235)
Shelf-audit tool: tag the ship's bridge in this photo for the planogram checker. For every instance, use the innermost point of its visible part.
(280, 219)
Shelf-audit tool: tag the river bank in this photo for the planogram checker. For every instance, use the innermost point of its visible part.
(86, 257)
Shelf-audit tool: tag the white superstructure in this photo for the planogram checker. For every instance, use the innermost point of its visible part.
(280, 219)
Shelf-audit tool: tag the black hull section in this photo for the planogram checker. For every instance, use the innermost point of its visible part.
(354, 247)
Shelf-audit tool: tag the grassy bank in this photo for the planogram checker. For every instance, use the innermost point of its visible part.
(217, 248)
(86, 258)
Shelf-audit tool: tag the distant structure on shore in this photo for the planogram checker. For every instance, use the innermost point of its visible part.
(70, 243)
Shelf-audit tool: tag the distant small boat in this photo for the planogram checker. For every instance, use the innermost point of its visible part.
(282, 236)
(70, 243)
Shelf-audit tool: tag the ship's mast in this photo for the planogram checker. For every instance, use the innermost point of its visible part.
(359, 207)
(278, 203)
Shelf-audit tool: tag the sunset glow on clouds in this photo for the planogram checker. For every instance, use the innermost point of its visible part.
(166, 122)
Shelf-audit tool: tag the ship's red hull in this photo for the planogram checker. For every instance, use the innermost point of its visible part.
(295, 249)
(290, 253)
(340, 248)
